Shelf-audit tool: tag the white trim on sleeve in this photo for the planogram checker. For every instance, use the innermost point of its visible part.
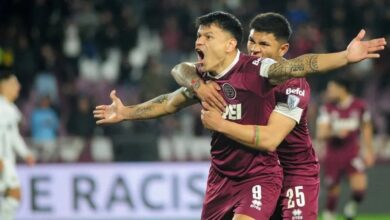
(265, 65)
(323, 117)
(295, 113)
(366, 116)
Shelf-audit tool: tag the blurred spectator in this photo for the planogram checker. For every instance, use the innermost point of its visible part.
(81, 122)
(46, 85)
(44, 130)
(26, 67)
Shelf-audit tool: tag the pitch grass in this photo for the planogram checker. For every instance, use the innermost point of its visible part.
(367, 217)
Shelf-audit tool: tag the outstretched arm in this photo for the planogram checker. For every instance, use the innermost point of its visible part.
(266, 138)
(185, 75)
(157, 107)
(357, 50)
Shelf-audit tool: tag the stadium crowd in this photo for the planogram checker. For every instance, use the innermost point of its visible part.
(68, 55)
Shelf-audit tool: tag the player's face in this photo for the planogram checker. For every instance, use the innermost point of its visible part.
(333, 92)
(263, 44)
(10, 88)
(212, 46)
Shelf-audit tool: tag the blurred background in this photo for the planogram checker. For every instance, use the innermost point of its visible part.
(68, 56)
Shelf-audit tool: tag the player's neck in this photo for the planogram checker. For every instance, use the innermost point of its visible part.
(226, 63)
(345, 100)
(4, 96)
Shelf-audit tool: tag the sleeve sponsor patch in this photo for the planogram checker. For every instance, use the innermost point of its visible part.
(292, 101)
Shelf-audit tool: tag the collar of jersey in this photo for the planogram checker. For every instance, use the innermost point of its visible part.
(2, 98)
(223, 73)
(346, 103)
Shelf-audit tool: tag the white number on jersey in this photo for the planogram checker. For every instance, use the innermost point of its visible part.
(256, 197)
(299, 197)
(256, 192)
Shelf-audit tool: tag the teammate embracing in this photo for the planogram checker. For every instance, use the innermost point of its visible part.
(286, 108)
(243, 183)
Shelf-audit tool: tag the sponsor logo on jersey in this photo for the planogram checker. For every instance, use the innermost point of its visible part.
(256, 62)
(292, 101)
(296, 91)
(233, 112)
(229, 91)
(297, 214)
(256, 203)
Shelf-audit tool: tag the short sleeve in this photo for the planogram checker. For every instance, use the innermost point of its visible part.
(323, 116)
(292, 97)
(265, 65)
(366, 114)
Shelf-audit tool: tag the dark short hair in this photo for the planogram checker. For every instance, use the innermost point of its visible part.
(224, 20)
(343, 82)
(273, 23)
(5, 74)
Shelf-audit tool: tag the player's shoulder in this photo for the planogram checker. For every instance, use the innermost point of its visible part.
(253, 61)
(296, 85)
(297, 82)
(359, 102)
(329, 106)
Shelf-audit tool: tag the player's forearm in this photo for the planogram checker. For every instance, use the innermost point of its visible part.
(307, 64)
(253, 136)
(367, 133)
(185, 75)
(160, 106)
(20, 146)
(323, 132)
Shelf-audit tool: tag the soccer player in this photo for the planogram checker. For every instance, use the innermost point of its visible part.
(340, 123)
(286, 107)
(11, 142)
(243, 183)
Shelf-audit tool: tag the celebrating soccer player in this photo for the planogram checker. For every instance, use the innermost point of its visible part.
(243, 183)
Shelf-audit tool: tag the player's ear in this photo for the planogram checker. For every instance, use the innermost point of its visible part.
(283, 49)
(231, 45)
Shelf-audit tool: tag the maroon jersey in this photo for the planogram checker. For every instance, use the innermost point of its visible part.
(246, 93)
(296, 152)
(348, 117)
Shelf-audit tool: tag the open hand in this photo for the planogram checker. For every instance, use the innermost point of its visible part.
(369, 159)
(30, 160)
(359, 49)
(107, 114)
(211, 118)
(208, 92)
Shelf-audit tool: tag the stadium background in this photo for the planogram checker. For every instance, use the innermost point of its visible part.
(68, 55)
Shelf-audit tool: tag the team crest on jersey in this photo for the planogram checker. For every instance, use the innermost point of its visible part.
(292, 101)
(229, 91)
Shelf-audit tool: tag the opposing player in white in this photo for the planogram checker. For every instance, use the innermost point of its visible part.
(11, 143)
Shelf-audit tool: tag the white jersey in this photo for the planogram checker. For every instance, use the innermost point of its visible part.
(11, 142)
